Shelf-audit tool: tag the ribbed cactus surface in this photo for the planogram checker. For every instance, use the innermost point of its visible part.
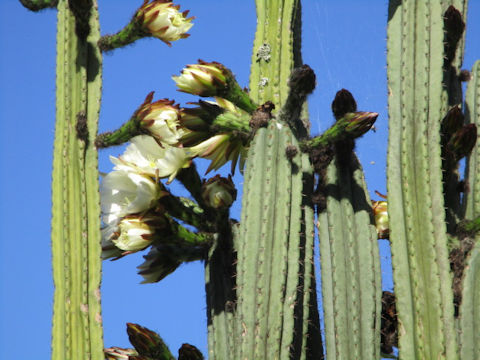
(415, 200)
(77, 324)
(274, 277)
(350, 263)
(469, 324)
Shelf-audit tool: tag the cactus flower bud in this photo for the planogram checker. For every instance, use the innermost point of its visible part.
(163, 20)
(189, 352)
(360, 123)
(148, 343)
(462, 141)
(381, 218)
(117, 353)
(219, 192)
(203, 79)
(136, 233)
(161, 120)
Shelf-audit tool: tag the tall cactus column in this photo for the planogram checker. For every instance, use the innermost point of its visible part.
(77, 327)
(275, 318)
(418, 237)
(469, 323)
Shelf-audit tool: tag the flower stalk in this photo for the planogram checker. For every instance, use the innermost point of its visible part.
(158, 18)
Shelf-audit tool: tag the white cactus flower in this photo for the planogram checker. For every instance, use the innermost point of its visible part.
(124, 192)
(144, 155)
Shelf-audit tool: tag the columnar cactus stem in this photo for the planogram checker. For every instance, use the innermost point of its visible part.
(469, 324)
(275, 242)
(350, 262)
(77, 325)
(415, 201)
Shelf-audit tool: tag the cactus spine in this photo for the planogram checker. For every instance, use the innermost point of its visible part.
(77, 327)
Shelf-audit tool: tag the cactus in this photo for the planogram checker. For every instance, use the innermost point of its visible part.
(259, 273)
(77, 327)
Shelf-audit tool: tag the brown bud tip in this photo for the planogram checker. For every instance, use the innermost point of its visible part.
(463, 141)
(453, 22)
(262, 115)
(465, 75)
(291, 151)
(388, 330)
(343, 103)
(452, 122)
(189, 352)
(302, 80)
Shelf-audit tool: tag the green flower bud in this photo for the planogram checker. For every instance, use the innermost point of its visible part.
(360, 122)
(147, 343)
(219, 192)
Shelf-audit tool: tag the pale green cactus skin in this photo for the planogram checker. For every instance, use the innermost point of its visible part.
(469, 324)
(77, 325)
(417, 103)
(350, 262)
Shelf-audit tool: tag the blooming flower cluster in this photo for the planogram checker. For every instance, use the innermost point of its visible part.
(170, 139)
(130, 193)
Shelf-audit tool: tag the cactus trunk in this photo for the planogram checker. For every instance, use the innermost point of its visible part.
(77, 326)
(418, 237)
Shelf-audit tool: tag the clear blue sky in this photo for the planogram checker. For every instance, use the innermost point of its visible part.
(343, 41)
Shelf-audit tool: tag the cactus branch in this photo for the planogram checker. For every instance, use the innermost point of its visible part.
(301, 84)
(350, 126)
(189, 213)
(129, 34)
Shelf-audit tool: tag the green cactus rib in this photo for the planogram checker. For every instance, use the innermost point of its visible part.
(418, 238)
(219, 286)
(77, 329)
(276, 30)
(350, 265)
(274, 272)
(472, 116)
(469, 323)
